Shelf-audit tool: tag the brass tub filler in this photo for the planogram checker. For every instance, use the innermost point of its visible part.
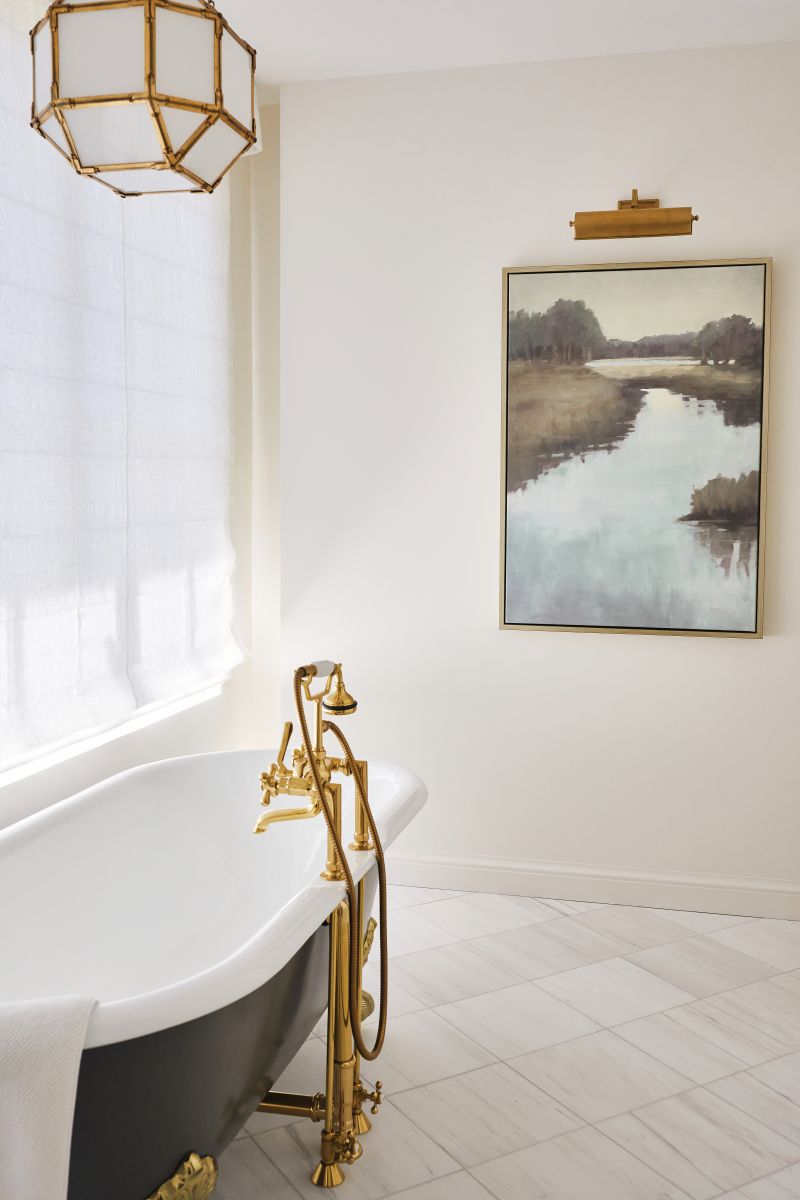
(310, 778)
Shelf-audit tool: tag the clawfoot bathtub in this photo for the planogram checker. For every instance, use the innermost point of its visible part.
(204, 946)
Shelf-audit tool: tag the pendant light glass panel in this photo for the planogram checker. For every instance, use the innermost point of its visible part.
(181, 123)
(236, 80)
(42, 68)
(164, 92)
(110, 134)
(101, 53)
(185, 56)
(212, 153)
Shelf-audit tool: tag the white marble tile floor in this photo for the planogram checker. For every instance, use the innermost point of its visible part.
(558, 1050)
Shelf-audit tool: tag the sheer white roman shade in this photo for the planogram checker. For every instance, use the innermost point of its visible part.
(115, 556)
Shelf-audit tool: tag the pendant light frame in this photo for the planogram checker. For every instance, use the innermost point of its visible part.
(58, 107)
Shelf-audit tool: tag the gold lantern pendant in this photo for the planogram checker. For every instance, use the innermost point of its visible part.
(144, 96)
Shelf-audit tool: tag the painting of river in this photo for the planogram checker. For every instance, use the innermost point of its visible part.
(634, 417)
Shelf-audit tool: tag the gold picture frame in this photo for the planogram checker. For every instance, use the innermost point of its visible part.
(751, 568)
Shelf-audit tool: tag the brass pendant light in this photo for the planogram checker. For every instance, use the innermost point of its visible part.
(144, 96)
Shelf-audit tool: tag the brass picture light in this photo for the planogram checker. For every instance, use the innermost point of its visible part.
(633, 218)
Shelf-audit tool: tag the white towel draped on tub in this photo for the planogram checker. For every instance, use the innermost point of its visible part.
(40, 1054)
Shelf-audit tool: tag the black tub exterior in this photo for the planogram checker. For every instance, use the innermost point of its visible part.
(144, 1105)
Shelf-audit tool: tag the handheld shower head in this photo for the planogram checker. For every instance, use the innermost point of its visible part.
(339, 702)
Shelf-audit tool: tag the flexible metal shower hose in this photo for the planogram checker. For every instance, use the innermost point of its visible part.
(352, 897)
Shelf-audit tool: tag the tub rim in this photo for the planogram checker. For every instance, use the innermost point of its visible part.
(258, 958)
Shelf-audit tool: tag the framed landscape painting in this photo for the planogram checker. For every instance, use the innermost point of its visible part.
(634, 437)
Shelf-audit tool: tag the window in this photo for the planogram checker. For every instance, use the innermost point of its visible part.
(115, 554)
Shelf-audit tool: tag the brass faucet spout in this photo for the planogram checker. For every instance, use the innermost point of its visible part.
(286, 814)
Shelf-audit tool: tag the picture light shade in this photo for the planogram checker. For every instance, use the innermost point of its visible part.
(144, 96)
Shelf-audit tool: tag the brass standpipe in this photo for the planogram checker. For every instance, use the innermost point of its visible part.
(310, 778)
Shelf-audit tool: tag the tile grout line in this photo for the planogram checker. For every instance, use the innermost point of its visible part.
(581, 1037)
(717, 1079)
(493, 991)
(772, 971)
(557, 915)
(460, 941)
(414, 1186)
(509, 1062)
(675, 1149)
(278, 1168)
(485, 1186)
(565, 970)
(713, 1182)
(746, 1021)
(582, 1124)
(401, 1091)
(494, 1157)
(765, 1178)
(736, 918)
(568, 1133)
(608, 1029)
(730, 1104)
(548, 901)
(760, 1082)
(569, 1004)
(275, 1166)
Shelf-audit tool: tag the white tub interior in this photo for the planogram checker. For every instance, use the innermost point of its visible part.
(150, 892)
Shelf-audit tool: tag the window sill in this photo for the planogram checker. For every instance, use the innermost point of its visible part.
(145, 717)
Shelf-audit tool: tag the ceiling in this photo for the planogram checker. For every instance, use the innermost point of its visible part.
(330, 39)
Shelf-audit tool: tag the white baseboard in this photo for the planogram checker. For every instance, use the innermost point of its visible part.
(603, 885)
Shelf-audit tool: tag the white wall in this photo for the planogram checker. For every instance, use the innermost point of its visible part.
(198, 729)
(253, 709)
(23, 14)
(666, 768)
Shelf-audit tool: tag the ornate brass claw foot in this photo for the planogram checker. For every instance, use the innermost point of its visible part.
(195, 1179)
